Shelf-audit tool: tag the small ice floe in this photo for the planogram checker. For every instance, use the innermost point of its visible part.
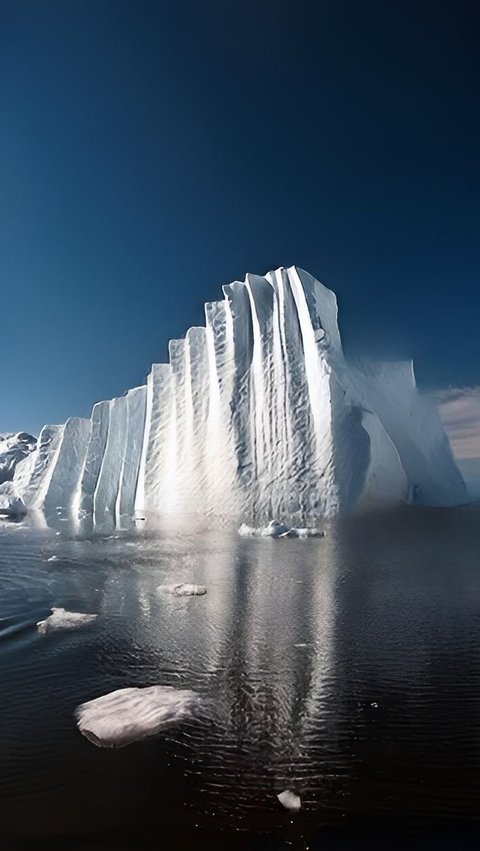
(290, 800)
(184, 589)
(275, 529)
(130, 714)
(304, 532)
(61, 619)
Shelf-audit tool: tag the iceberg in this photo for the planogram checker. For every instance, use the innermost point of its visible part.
(258, 414)
(131, 714)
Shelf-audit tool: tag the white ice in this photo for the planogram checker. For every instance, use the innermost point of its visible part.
(129, 714)
(61, 619)
(11, 503)
(183, 589)
(275, 529)
(290, 800)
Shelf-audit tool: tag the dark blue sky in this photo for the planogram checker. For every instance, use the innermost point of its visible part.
(151, 151)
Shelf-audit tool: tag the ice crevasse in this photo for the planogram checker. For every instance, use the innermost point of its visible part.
(256, 415)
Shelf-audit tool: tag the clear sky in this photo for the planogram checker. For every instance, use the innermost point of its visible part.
(151, 151)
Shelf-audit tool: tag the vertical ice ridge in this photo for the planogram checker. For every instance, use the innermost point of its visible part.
(222, 485)
(317, 375)
(302, 484)
(45, 459)
(136, 408)
(139, 503)
(263, 403)
(106, 490)
(69, 461)
(197, 407)
(160, 457)
(83, 514)
(184, 472)
(240, 348)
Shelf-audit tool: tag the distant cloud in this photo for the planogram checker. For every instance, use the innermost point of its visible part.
(459, 410)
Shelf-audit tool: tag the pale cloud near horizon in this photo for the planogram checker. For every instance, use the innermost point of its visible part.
(459, 409)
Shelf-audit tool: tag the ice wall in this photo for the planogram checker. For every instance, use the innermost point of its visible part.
(256, 415)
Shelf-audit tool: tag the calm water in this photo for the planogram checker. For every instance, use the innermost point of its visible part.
(347, 668)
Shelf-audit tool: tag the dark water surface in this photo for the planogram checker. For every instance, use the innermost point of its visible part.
(346, 668)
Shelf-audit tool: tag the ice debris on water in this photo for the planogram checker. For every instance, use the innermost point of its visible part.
(275, 529)
(61, 619)
(290, 800)
(130, 714)
(184, 589)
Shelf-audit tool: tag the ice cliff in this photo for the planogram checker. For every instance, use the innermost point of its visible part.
(256, 415)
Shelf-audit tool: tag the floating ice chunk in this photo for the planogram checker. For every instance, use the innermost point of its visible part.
(290, 801)
(188, 590)
(304, 532)
(61, 619)
(130, 714)
(184, 589)
(275, 529)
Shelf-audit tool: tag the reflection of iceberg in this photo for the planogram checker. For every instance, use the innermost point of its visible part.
(269, 692)
(129, 714)
(258, 415)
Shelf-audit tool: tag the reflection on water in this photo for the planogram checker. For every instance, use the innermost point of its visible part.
(345, 668)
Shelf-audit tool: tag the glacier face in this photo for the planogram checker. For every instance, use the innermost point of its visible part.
(256, 415)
